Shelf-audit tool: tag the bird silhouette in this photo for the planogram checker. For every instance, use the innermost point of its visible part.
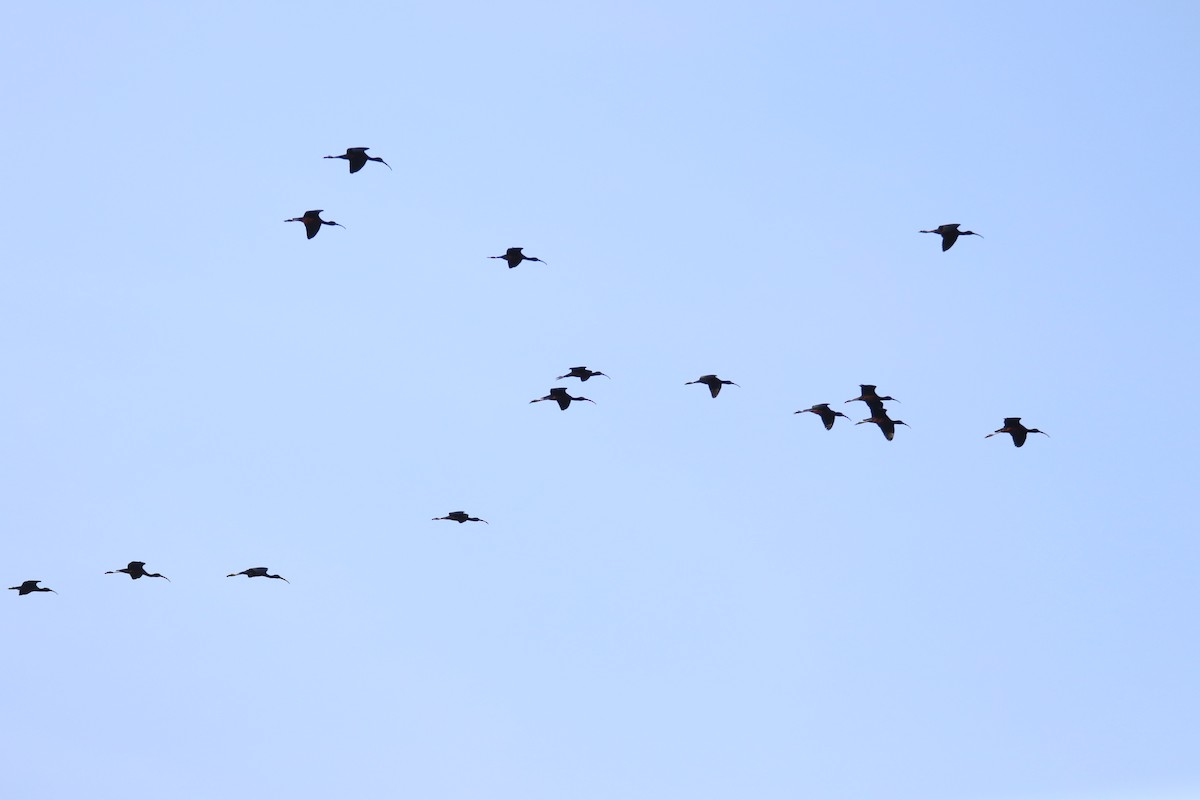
(461, 516)
(886, 424)
(28, 587)
(559, 395)
(313, 222)
(358, 158)
(257, 572)
(872, 399)
(514, 256)
(950, 234)
(583, 373)
(1012, 425)
(713, 383)
(827, 415)
(137, 569)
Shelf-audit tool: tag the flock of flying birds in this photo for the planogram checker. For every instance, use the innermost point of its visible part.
(357, 158)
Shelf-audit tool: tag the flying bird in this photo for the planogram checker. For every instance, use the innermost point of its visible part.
(137, 569)
(950, 234)
(827, 415)
(872, 399)
(1012, 425)
(514, 256)
(583, 373)
(713, 383)
(28, 587)
(257, 572)
(559, 395)
(461, 516)
(886, 424)
(358, 158)
(313, 222)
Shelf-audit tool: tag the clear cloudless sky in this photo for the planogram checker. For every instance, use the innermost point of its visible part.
(677, 597)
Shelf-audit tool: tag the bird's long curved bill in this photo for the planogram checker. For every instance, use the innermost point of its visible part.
(386, 164)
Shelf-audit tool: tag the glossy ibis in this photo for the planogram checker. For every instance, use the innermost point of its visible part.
(872, 399)
(827, 414)
(583, 373)
(514, 256)
(1012, 425)
(713, 383)
(461, 516)
(313, 222)
(358, 158)
(137, 569)
(559, 395)
(257, 572)
(29, 586)
(886, 424)
(950, 234)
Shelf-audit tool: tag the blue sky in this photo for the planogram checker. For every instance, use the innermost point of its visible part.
(676, 596)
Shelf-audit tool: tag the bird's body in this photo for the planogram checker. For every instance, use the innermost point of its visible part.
(713, 383)
(313, 222)
(886, 424)
(257, 572)
(358, 158)
(461, 516)
(560, 396)
(1013, 426)
(950, 234)
(828, 415)
(514, 256)
(29, 587)
(583, 373)
(137, 569)
(872, 399)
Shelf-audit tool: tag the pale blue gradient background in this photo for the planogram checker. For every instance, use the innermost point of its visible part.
(677, 597)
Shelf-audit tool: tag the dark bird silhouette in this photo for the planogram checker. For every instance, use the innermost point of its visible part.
(514, 256)
(461, 516)
(872, 399)
(29, 586)
(358, 158)
(559, 395)
(827, 415)
(583, 373)
(257, 572)
(950, 234)
(885, 423)
(313, 222)
(137, 569)
(1012, 425)
(713, 383)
